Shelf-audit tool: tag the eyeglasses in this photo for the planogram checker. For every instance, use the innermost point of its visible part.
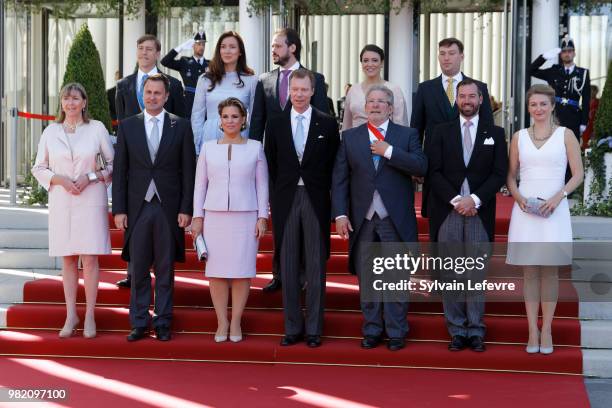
(378, 101)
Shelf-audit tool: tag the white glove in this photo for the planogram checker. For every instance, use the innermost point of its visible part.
(187, 45)
(582, 128)
(550, 54)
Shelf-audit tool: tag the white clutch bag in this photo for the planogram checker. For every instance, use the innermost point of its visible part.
(200, 246)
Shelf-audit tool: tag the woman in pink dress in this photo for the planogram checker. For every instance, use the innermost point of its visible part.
(230, 209)
(67, 166)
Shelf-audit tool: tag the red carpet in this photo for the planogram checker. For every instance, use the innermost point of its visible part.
(33, 328)
(120, 383)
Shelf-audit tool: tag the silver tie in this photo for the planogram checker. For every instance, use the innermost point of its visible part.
(153, 142)
(298, 139)
(467, 153)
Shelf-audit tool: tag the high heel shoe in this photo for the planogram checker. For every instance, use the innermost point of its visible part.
(89, 330)
(68, 330)
(220, 338)
(546, 350)
(533, 349)
(235, 339)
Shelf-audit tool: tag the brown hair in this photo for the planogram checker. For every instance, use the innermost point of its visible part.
(236, 103)
(149, 37)
(303, 73)
(291, 38)
(466, 82)
(447, 42)
(541, 89)
(66, 90)
(372, 48)
(159, 78)
(216, 68)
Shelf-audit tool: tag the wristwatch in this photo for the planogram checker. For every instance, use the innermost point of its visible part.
(565, 194)
(92, 176)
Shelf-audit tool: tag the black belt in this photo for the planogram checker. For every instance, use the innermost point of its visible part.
(190, 89)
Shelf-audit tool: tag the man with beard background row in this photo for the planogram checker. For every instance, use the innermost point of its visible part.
(468, 162)
(272, 99)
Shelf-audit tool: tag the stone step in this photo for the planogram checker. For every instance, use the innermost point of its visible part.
(597, 363)
(596, 334)
(24, 238)
(595, 228)
(595, 310)
(23, 218)
(28, 259)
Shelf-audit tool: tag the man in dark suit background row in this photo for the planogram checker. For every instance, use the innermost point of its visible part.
(435, 100)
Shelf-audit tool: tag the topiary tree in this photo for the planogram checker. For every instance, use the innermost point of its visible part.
(84, 67)
(602, 128)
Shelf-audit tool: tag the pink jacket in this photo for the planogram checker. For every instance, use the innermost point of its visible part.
(239, 184)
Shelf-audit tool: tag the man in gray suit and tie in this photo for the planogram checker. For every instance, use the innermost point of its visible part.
(373, 201)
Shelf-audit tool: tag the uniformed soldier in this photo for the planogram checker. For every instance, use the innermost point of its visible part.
(190, 68)
(571, 84)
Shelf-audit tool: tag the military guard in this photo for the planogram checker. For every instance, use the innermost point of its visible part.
(190, 68)
(571, 84)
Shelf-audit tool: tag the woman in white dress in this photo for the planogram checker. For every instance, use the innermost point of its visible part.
(372, 58)
(541, 243)
(228, 75)
(67, 166)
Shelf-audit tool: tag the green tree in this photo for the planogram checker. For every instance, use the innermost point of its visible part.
(84, 67)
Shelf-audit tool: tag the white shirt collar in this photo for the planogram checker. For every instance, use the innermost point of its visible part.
(383, 126)
(571, 68)
(160, 117)
(142, 73)
(457, 78)
(293, 67)
(474, 121)
(307, 113)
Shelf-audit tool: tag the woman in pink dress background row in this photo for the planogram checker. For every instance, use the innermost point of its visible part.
(66, 165)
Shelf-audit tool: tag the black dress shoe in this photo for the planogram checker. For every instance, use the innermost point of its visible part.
(457, 343)
(272, 286)
(291, 339)
(369, 342)
(396, 343)
(477, 343)
(162, 333)
(124, 283)
(137, 333)
(313, 341)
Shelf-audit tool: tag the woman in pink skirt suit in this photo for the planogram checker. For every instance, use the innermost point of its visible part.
(66, 165)
(230, 207)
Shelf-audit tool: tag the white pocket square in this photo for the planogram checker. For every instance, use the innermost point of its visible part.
(321, 137)
(489, 141)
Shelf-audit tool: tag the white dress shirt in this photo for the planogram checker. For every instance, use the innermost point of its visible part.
(456, 79)
(149, 123)
(373, 138)
(571, 68)
(306, 126)
(142, 73)
(473, 129)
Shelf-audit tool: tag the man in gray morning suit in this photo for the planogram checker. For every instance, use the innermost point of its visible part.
(373, 201)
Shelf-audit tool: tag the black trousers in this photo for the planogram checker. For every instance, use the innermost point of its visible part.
(151, 244)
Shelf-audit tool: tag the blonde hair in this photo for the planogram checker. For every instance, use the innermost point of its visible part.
(66, 90)
(545, 90)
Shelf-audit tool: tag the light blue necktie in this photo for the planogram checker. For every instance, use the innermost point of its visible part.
(298, 139)
(140, 93)
(375, 157)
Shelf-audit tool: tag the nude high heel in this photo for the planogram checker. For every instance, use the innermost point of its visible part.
(69, 329)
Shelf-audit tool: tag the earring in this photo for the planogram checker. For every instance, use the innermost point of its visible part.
(243, 127)
(221, 127)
